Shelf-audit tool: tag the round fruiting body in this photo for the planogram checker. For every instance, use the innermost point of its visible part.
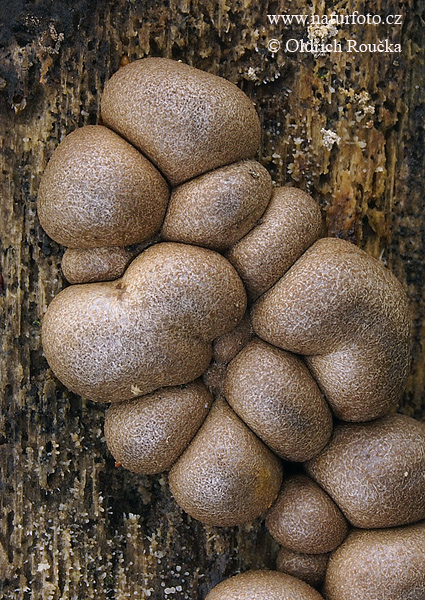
(290, 224)
(226, 476)
(97, 190)
(154, 327)
(186, 121)
(274, 394)
(305, 519)
(89, 265)
(264, 585)
(311, 568)
(375, 471)
(349, 315)
(381, 564)
(148, 434)
(218, 208)
(227, 346)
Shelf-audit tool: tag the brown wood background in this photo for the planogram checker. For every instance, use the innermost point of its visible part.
(71, 525)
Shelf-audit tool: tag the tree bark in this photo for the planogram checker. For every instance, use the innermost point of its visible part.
(346, 126)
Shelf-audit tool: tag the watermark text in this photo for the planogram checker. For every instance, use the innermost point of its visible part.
(354, 18)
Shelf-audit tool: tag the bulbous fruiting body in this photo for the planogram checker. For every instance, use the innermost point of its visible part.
(227, 346)
(154, 327)
(148, 434)
(386, 460)
(90, 265)
(311, 568)
(290, 224)
(275, 395)
(227, 476)
(349, 316)
(186, 121)
(98, 190)
(264, 585)
(218, 208)
(305, 519)
(379, 565)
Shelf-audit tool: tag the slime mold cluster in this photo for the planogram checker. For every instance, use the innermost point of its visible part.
(230, 339)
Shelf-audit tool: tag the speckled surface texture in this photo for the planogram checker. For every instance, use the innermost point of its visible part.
(96, 187)
(268, 585)
(399, 557)
(217, 209)
(386, 459)
(71, 524)
(148, 435)
(290, 224)
(338, 306)
(308, 567)
(88, 265)
(154, 327)
(273, 392)
(154, 116)
(227, 475)
(305, 518)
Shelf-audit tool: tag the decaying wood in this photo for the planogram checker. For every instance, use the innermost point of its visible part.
(346, 127)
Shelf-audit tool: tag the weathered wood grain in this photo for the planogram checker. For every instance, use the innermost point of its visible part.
(71, 524)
